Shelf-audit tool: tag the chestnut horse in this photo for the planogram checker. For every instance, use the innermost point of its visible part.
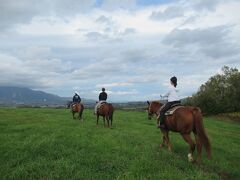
(77, 108)
(153, 108)
(185, 120)
(106, 111)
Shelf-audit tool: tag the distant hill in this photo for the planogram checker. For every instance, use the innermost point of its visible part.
(26, 96)
(19, 96)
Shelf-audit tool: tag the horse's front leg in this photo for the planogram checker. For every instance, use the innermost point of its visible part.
(163, 142)
(104, 121)
(73, 114)
(107, 117)
(166, 140)
(80, 115)
(158, 120)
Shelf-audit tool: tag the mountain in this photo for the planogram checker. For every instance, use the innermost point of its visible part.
(25, 96)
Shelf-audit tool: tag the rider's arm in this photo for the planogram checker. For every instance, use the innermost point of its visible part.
(168, 93)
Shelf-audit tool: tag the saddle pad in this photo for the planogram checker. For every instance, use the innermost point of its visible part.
(102, 103)
(172, 110)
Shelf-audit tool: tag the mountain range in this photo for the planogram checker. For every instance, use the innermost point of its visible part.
(26, 96)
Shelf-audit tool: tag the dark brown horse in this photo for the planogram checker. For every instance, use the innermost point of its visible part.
(185, 120)
(77, 108)
(106, 111)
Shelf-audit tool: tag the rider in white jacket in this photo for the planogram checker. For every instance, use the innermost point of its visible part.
(173, 98)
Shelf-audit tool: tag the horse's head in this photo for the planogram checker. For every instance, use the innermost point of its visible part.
(150, 111)
(153, 108)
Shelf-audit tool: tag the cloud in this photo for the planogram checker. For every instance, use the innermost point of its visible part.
(101, 69)
(205, 4)
(179, 37)
(103, 19)
(167, 14)
(130, 92)
(120, 4)
(96, 36)
(128, 31)
(22, 12)
(115, 84)
(213, 42)
(32, 72)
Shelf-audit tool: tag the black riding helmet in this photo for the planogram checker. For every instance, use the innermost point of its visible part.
(103, 89)
(174, 80)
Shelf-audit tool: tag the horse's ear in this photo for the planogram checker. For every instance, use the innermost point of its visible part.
(148, 102)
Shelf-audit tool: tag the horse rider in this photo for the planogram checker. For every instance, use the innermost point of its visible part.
(76, 98)
(102, 98)
(172, 97)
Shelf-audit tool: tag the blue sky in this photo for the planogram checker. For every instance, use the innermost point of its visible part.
(130, 47)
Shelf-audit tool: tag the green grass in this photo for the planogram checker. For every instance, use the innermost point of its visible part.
(49, 144)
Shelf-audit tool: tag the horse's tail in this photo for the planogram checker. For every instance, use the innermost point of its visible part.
(82, 107)
(111, 109)
(201, 131)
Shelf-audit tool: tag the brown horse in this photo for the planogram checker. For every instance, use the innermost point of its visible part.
(186, 120)
(106, 111)
(153, 108)
(77, 108)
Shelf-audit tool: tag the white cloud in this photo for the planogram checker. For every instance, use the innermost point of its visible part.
(116, 84)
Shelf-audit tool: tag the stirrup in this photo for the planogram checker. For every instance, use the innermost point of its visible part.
(162, 126)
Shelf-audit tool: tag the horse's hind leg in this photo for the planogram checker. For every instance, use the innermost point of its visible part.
(107, 117)
(97, 119)
(199, 148)
(111, 118)
(188, 139)
(167, 140)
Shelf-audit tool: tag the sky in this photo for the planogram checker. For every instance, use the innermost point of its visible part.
(130, 47)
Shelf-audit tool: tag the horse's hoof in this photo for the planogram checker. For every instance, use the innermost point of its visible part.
(190, 158)
(161, 146)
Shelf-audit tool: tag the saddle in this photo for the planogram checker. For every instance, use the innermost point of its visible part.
(173, 109)
(102, 103)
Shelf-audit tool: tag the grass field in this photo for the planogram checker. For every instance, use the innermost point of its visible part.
(49, 144)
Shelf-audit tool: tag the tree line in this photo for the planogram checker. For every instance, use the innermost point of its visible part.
(220, 94)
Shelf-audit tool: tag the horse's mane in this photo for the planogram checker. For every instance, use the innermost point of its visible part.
(156, 103)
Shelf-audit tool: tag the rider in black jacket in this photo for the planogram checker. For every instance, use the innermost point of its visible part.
(103, 95)
(76, 98)
(102, 98)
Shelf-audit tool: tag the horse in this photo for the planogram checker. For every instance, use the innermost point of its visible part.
(77, 108)
(184, 120)
(106, 111)
(153, 108)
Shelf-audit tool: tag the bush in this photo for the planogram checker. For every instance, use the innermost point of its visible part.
(220, 94)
